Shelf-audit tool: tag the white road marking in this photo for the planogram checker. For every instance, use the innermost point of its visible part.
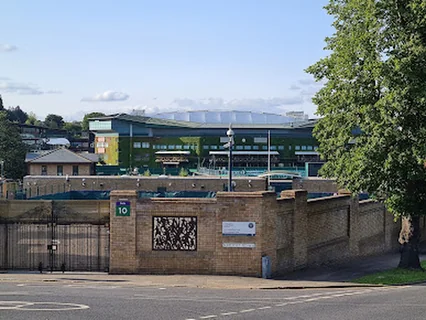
(32, 306)
(302, 299)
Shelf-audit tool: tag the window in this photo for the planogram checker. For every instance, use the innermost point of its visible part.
(186, 147)
(171, 146)
(273, 147)
(224, 139)
(178, 146)
(280, 147)
(137, 145)
(205, 147)
(316, 148)
(75, 170)
(260, 140)
(304, 148)
(213, 147)
(145, 145)
(297, 148)
(255, 147)
(59, 170)
(309, 147)
(289, 147)
(44, 170)
(264, 147)
(239, 147)
(247, 147)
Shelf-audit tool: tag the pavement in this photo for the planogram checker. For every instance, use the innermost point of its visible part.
(337, 276)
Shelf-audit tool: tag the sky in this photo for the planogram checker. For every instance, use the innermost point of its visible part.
(75, 57)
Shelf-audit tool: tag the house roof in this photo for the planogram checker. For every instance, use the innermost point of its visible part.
(60, 156)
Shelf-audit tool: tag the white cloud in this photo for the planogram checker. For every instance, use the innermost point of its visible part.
(107, 96)
(8, 86)
(8, 48)
(294, 87)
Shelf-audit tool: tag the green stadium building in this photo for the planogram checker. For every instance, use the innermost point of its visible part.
(197, 139)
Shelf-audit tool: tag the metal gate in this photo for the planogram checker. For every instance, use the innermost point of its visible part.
(54, 241)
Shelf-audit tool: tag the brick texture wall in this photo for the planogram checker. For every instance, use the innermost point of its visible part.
(39, 185)
(313, 184)
(292, 231)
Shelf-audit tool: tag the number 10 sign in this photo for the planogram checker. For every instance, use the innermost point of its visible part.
(122, 208)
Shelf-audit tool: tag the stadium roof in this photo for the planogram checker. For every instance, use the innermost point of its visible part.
(226, 117)
(238, 124)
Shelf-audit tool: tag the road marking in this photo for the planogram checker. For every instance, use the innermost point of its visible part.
(304, 299)
(32, 306)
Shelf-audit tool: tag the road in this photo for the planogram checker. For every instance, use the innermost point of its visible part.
(41, 301)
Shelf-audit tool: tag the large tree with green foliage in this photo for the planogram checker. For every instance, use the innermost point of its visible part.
(12, 149)
(87, 116)
(54, 121)
(372, 130)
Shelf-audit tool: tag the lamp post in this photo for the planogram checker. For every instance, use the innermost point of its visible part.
(230, 134)
(2, 169)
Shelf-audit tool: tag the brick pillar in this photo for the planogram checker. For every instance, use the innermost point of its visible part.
(354, 232)
(300, 227)
(123, 232)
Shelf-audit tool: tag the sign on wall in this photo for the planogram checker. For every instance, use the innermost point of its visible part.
(122, 208)
(174, 233)
(238, 245)
(232, 228)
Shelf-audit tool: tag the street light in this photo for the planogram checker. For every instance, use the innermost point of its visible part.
(2, 169)
(230, 134)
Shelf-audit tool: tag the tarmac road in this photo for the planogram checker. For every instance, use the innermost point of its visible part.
(104, 301)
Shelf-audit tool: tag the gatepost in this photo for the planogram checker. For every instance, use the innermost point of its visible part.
(123, 230)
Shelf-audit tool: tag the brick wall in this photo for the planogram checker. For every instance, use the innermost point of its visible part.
(292, 231)
(35, 169)
(39, 185)
(313, 184)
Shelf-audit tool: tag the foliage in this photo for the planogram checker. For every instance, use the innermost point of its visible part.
(183, 172)
(147, 173)
(54, 121)
(32, 120)
(87, 116)
(373, 101)
(12, 149)
(17, 115)
(73, 128)
(395, 276)
(1, 103)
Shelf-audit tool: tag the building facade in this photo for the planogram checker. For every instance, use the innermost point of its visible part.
(138, 141)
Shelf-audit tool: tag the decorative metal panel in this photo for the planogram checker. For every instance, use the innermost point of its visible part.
(174, 233)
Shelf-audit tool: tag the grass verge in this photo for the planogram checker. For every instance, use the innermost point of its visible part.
(395, 276)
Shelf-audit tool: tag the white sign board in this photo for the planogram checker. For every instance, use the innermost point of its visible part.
(231, 228)
(238, 245)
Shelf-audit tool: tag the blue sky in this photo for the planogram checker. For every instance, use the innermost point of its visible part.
(73, 57)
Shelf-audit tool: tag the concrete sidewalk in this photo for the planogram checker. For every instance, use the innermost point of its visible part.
(323, 277)
(188, 281)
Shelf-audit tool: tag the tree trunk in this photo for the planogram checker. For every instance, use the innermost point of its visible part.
(409, 238)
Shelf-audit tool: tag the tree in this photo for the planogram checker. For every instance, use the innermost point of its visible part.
(54, 121)
(12, 149)
(373, 107)
(1, 104)
(17, 115)
(32, 120)
(73, 128)
(87, 116)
